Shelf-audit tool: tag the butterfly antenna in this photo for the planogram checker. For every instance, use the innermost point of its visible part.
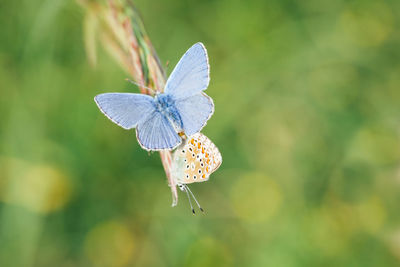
(140, 85)
(198, 204)
(190, 202)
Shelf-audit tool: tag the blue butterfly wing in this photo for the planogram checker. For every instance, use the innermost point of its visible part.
(125, 109)
(191, 75)
(194, 112)
(157, 133)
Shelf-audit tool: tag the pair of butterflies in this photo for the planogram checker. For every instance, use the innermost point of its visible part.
(183, 107)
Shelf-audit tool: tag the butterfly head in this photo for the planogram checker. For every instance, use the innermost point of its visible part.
(181, 187)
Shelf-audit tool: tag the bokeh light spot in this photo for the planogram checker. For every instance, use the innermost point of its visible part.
(39, 188)
(208, 252)
(375, 144)
(255, 197)
(369, 25)
(110, 243)
(372, 214)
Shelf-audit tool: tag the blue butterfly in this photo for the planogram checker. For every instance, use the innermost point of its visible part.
(183, 107)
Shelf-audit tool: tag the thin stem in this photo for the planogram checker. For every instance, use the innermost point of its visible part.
(120, 30)
(141, 85)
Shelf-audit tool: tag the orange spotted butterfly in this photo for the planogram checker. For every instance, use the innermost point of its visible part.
(194, 161)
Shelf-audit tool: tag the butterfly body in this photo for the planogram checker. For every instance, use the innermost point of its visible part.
(182, 107)
(165, 104)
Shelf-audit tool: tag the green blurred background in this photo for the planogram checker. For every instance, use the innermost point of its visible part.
(307, 119)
